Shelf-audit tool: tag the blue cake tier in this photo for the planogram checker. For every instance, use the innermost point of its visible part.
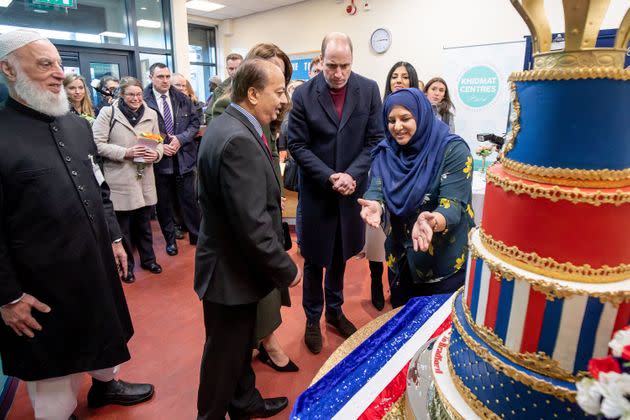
(495, 387)
(573, 124)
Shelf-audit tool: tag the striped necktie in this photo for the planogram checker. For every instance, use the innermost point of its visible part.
(168, 117)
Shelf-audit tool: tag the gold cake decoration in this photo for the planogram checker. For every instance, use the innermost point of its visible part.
(604, 57)
(549, 267)
(538, 362)
(556, 193)
(582, 21)
(550, 289)
(570, 74)
(515, 119)
(539, 385)
(586, 178)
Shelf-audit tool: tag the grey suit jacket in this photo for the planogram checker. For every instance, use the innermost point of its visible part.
(240, 254)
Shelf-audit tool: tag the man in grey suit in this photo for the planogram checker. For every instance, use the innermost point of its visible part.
(240, 254)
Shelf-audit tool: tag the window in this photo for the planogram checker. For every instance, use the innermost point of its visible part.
(202, 54)
(93, 21)
(150, 23)
(88, 35)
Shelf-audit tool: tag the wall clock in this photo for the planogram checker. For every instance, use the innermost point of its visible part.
(381, 40)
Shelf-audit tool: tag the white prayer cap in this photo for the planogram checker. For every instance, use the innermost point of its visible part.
(11, 41)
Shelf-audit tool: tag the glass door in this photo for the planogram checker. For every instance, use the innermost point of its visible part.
(95, 64)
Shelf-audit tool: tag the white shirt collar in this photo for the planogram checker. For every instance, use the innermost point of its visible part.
(158, 95)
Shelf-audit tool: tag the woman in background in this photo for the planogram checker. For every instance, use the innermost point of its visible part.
(183, 85)
(402, 75)
(282, 138)
(437, 93)
(268, 317)
(80, 102)
(420, 186)
(132, 184)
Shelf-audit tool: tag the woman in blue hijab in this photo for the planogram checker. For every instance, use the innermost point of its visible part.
(420, 189)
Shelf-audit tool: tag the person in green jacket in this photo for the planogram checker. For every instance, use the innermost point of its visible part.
(232, 62)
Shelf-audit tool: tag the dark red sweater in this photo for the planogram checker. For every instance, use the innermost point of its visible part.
(338, 98)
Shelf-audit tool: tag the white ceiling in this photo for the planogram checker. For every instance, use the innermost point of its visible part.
(239, 8)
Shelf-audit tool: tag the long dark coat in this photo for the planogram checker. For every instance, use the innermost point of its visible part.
(322, 144)
(56, 230)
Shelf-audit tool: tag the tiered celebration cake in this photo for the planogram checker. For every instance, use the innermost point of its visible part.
(548, 278)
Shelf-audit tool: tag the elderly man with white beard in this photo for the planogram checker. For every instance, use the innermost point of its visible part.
(62, 304)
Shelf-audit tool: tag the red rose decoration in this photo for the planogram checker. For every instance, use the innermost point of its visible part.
(604, 365)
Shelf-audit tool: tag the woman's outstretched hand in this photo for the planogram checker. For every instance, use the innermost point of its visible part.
(371, 212)
(422, 232)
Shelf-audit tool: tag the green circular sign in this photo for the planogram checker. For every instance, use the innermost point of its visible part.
(478, 86)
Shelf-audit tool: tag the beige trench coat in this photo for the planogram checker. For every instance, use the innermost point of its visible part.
(128, 192)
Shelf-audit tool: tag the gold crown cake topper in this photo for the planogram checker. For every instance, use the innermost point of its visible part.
(582, 21)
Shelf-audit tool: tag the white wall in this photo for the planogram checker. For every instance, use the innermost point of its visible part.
(420, 29)
(180, 35)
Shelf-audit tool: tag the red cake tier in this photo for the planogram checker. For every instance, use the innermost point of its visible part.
(579, 234)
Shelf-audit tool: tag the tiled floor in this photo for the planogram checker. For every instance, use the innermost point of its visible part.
(166, 347)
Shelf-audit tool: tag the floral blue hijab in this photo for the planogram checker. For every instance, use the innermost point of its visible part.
(408, 171)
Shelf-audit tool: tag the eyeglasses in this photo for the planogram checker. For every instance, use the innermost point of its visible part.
(133, 95)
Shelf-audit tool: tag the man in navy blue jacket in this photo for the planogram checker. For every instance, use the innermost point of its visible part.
(334, 124)
(174, 176)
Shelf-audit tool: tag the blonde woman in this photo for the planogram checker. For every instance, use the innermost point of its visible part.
(80, 102)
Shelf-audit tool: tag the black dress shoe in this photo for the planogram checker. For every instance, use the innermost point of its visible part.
(152, 267)
(313, 337)
(129, 278)
(118, 392)
(270, 407)
(341, 323)
(265, 358)
(171, 249)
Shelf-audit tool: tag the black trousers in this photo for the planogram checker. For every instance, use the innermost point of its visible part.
(184, 187)
(227, 380)
(135, 226)
(313, 292)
